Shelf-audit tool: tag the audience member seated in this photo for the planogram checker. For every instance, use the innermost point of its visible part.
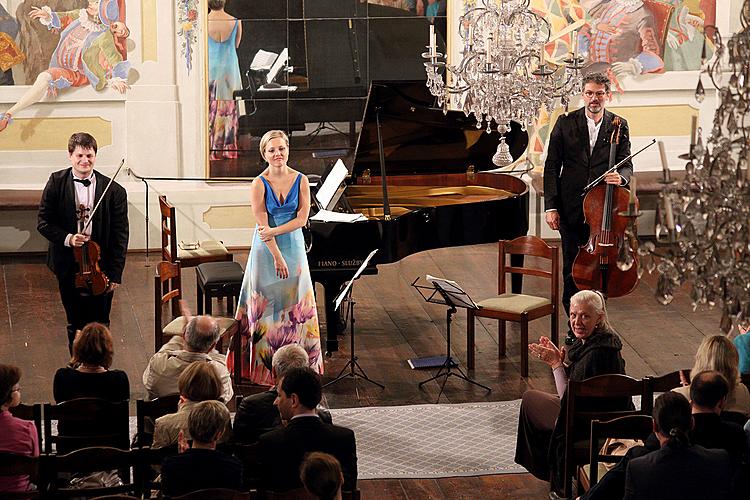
(198, 382)
(596, 351)
(719, 354)
(282, 450)
(708, 393)
(88, 374)
(257, 414)
(678, 469)
(17, 436)
(197, 343)
(201, 466)
(321, 475)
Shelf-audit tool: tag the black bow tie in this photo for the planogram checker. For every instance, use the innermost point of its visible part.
(85, 182)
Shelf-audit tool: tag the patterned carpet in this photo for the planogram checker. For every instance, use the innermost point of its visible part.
(430, 441)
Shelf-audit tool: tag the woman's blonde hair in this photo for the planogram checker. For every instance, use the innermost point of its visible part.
(268, 136)
(717, 353)
(595, 300)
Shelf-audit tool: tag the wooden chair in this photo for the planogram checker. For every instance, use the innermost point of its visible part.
(248, 455)
(32, 413)
(168, 290)
(13, 464)
(662, 383)
(146, 413)
(111, 426)
(207, 251)
(95, 459)
(578, 416)
(629, 427)
(516, 307)
(215, 494)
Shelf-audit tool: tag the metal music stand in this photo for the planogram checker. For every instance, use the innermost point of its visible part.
(352, 364)
(450, 294)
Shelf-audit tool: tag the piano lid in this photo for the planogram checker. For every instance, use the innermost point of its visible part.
(419, 139)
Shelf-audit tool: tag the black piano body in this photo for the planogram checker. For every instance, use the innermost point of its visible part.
(336, 48)
(436, 199)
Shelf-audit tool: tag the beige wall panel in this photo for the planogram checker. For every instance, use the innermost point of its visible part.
(654, 121)
(229, 217)
(149, 32)
(38, 134)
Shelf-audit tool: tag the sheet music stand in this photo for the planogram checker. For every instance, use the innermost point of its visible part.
(447, 293)
(352, 364)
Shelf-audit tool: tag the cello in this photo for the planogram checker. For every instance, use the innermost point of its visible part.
(90, 279)
(595, 266)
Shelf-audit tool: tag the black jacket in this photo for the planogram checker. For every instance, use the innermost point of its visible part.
(282, 450)
(57, 219)
(570, 165)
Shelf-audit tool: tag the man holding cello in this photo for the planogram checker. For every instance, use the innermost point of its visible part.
(579, 152)
(84, 215)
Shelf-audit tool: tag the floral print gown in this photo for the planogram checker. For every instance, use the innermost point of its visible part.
(274, 312)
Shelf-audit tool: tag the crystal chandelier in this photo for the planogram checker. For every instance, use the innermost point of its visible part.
(703, 223)
(503, 74)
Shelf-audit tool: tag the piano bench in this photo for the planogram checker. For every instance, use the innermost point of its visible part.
(218, 279)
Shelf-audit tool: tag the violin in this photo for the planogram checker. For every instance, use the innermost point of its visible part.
(89, 278)
(595, 266)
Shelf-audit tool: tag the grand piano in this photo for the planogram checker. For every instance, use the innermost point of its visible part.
(438, 192)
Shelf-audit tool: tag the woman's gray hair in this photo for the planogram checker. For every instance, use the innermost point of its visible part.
(206, 419)
(595, 300)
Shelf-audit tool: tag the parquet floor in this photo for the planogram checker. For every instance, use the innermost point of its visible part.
(393, 324)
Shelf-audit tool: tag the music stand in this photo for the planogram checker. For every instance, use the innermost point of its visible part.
(352, 364)
(450, 294)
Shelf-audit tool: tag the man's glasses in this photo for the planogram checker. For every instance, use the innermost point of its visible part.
(600, 94)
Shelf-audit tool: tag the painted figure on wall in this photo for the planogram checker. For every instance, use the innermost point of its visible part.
(10, 54)
(685, 37)
(620, 38)
(91, 51)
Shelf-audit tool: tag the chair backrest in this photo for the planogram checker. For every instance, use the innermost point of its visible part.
(628, 427)
(167, 289)
(248, 454)
(150, 411)
(96, 459)
(14, 464)
(168, 230)
(530, 246)
(86, 422)
(215, 494)
(32, 413)
(662, 383)
(613, 391)
(302, 494)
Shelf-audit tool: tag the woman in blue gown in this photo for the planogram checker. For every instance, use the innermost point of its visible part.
(277, 304)
(224, 36)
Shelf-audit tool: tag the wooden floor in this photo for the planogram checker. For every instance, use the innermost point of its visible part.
(393, 324)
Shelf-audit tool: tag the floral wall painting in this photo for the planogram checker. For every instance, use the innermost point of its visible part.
(82, 43)
(187, 31)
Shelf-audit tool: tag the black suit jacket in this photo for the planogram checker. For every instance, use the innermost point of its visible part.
(282, 450)
(692, 472)
(57, 219)
(570, 166)
(257, 415)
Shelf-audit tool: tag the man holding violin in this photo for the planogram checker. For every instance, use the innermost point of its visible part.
(578, 152)
(86, 251)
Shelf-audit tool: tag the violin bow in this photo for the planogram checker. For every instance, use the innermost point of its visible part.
(615, 167)
(111, 180)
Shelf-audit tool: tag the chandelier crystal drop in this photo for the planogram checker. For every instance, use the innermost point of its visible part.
(703, 223)
(503, 74)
